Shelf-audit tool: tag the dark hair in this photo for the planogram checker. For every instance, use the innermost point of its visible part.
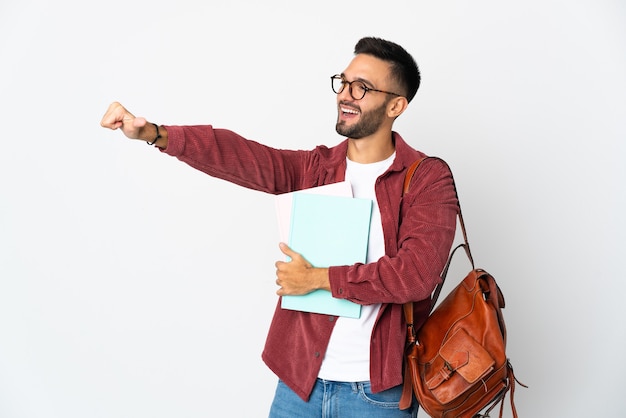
(403, 67)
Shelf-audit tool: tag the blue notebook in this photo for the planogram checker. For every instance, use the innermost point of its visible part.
(328, 231)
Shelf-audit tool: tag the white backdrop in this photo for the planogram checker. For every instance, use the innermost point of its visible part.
(133, 286)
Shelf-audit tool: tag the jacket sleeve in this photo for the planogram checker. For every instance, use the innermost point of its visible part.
(228, 156)
(425, 234)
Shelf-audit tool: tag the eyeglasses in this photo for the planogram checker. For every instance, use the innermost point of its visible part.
(357, 88)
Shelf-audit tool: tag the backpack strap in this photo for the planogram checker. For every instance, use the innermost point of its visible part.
(407, 183)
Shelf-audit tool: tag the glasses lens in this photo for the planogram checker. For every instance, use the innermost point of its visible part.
(337, 84)
(357, 90)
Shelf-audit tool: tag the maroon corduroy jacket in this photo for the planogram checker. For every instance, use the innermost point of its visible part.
(418, 235)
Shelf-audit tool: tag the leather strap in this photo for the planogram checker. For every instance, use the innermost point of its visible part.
(407, 183)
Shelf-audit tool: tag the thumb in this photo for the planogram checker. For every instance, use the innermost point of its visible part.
(284, 248)
(288, 251)
(293, 255)
(139, 122)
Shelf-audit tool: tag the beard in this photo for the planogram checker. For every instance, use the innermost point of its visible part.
(369, 122)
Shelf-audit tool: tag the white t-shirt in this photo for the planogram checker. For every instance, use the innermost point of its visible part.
(348, 356)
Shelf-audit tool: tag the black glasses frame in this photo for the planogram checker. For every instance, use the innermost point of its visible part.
(349, 83)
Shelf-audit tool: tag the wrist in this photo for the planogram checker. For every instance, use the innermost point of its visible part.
(156, 135)
(321, 278)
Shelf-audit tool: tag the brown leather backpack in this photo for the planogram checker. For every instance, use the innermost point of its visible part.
(456, 363)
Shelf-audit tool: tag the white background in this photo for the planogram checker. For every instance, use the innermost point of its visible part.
(134, 286)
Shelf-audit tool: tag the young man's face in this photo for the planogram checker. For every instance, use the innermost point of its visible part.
(361, 118)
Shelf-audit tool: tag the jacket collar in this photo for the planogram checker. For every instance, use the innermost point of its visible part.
(405, 155)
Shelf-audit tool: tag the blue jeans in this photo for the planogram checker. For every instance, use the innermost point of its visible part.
(340, 400)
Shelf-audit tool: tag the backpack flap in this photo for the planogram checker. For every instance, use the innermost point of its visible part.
(459, 366)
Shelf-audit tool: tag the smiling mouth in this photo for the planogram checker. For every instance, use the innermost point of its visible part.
(348, 111)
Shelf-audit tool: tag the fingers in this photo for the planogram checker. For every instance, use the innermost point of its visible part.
(281, 267)
(280, 291)
(115, 116)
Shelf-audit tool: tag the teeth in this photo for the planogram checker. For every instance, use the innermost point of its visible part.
(346, 110)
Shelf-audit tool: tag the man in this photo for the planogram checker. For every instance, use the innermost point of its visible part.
(335, 366)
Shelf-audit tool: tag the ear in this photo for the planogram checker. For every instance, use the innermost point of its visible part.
(397, 106)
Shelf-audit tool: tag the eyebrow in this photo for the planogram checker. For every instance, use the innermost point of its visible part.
(362, 80)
